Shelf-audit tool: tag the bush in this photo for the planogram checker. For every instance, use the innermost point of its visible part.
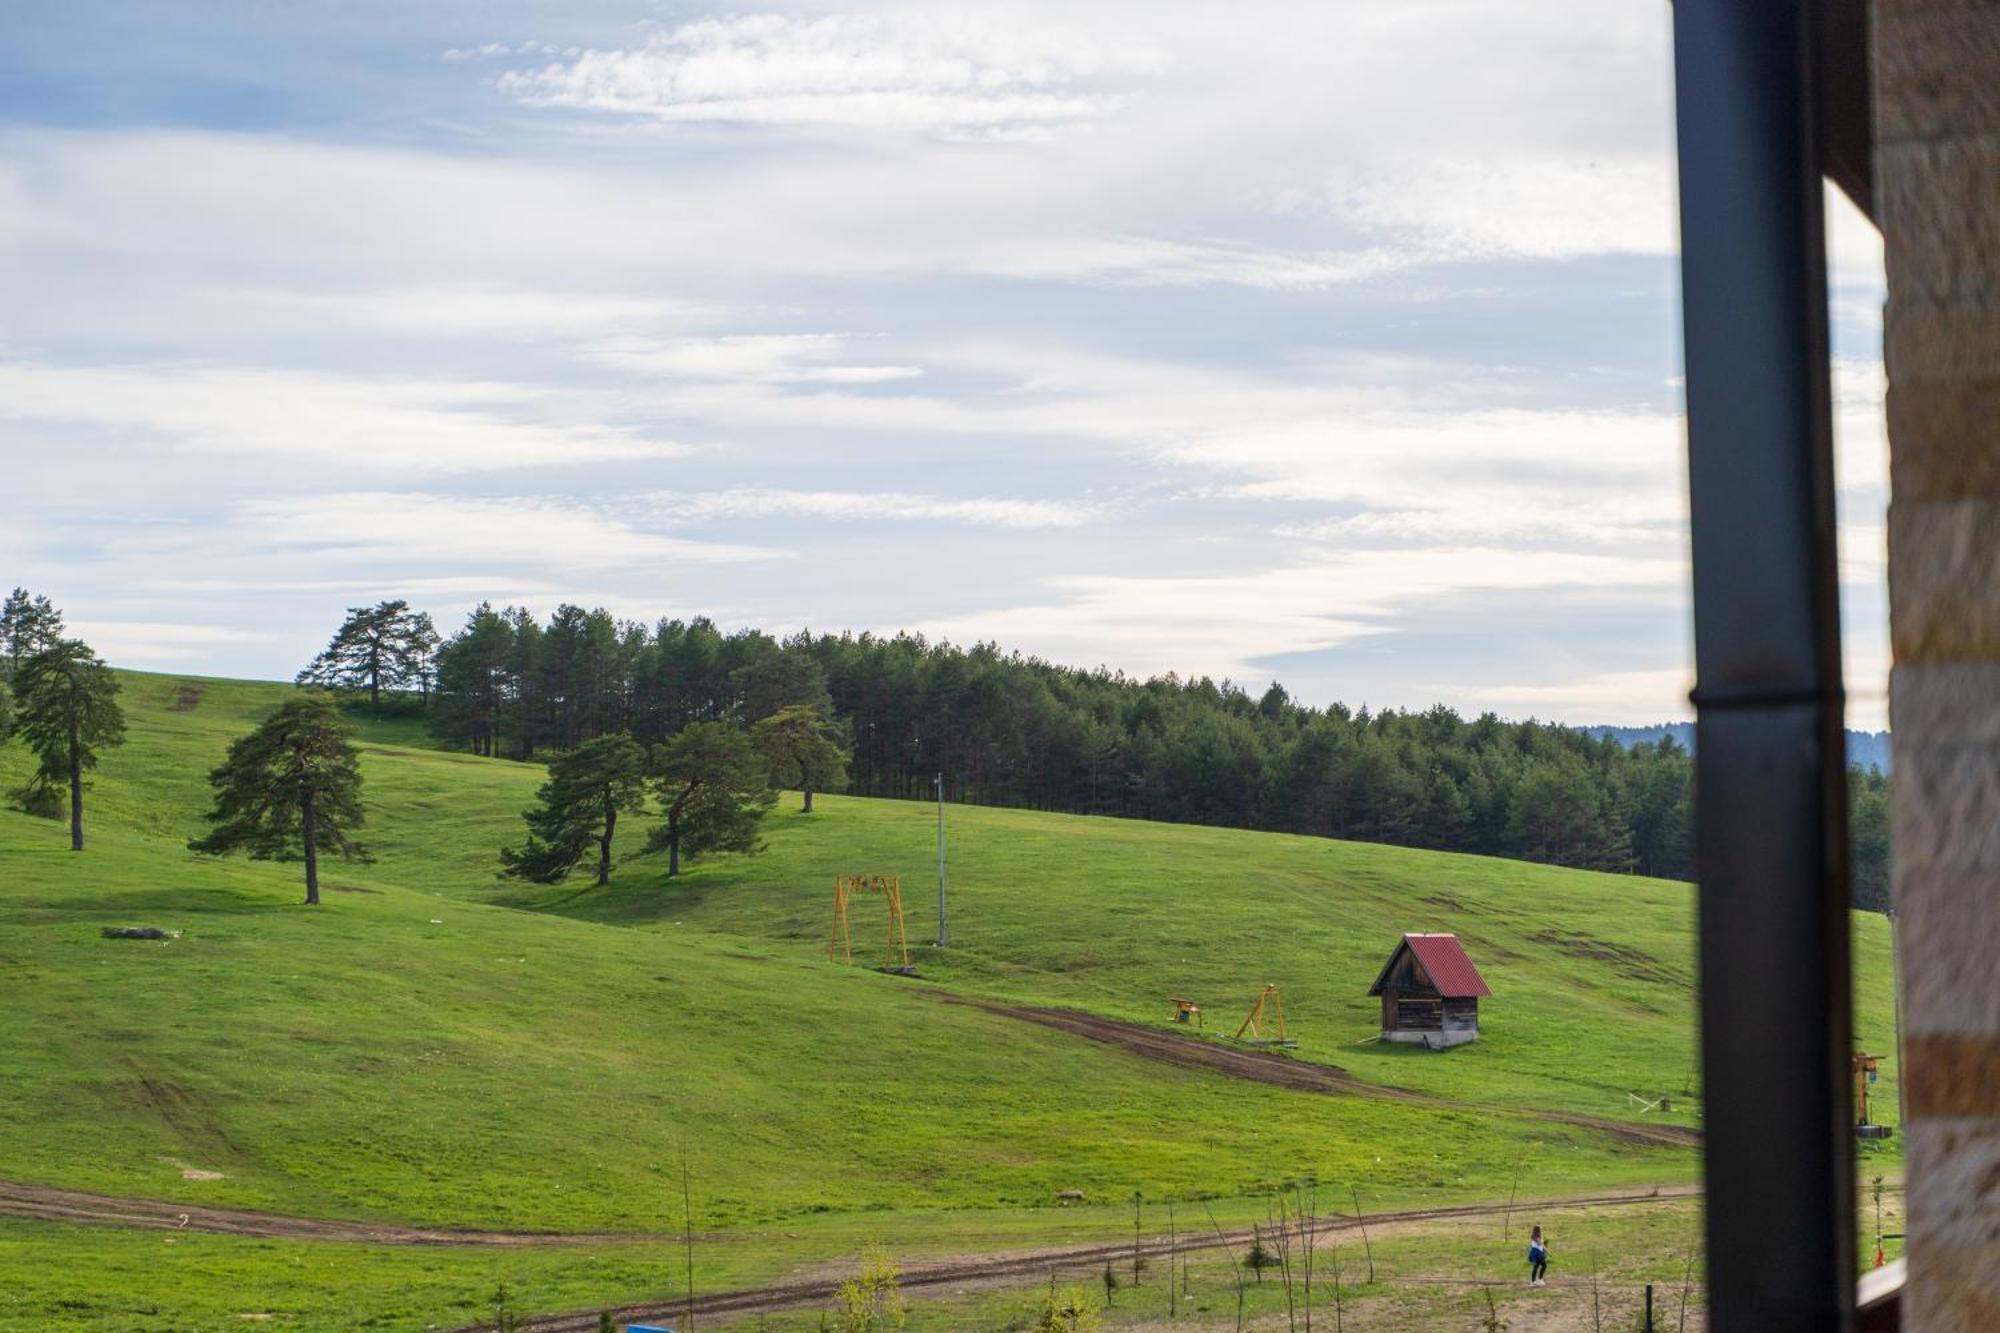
(1067, 1312)
(872, 1300)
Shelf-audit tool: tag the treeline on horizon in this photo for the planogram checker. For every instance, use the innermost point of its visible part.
(1012, 730)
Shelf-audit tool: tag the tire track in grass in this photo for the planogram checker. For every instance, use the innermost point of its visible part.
(46, 1204)
(1300, 1075)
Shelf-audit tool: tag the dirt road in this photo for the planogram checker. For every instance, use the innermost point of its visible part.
(1005, 1269)
(55, 1205)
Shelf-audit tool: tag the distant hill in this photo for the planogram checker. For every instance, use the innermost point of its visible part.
(1870, 749)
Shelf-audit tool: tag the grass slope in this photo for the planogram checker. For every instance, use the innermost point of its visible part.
(421, 1049)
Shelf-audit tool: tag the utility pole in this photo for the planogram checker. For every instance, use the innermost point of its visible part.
(942, 938)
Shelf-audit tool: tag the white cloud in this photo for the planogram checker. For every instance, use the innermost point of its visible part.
(1405, 464)
(138, 642)
(1186, 276)
(376, 423)
(1611, 698)
(808, 358)
(1516, 206)
(421, 533)
(472, 308)
(1141, 261)
(1218, 626)
(939, 72)
(887, 506)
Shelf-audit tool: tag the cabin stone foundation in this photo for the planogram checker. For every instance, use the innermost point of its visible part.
(1437, 1039)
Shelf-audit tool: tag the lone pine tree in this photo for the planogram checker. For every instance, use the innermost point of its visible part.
(579, 804)
(714, 788)
(379, 647)
(289, 790)
(801, 745)
(67, 701)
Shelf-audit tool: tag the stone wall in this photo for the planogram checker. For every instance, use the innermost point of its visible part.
(1937, 124)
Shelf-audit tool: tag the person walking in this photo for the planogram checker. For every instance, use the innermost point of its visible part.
(1538, 1258)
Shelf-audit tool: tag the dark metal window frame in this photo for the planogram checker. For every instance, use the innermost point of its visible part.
(1771, 95)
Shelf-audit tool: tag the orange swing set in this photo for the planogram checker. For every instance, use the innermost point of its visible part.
(840, 944)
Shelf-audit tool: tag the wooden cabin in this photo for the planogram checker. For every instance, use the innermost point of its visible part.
(1430, 992)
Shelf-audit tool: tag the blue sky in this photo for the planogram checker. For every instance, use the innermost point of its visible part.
(1334, 343)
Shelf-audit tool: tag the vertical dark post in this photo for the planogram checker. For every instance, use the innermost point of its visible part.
(1770, 804)
(1649, 1307)
(309, 832)
(942, 938)
(75, 785)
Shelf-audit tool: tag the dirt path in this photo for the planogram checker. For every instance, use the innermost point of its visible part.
(1299, 1075)
(1004, 1269)
(55, 1205)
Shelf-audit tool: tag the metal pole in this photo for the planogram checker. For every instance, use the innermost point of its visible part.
(1896, 996)
(942, 939)
(1770, 790)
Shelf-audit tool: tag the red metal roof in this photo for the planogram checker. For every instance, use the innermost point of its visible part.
(1443, 960)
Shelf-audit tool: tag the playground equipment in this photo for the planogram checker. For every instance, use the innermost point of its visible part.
(1254, 1024)
(840, 944)
(1187, 1011)
(1865, 1074)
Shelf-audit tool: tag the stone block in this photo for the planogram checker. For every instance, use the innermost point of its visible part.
(1952, 1075)
(1930, 342)
(1946, 703)
(1952, 1289)
(1934, 68)
(1947, 935)
(1944, 580)
(1944, 812)
(1940, 229)
(1947, 439)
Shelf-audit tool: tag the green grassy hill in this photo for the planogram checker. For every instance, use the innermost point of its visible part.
(434, 1046)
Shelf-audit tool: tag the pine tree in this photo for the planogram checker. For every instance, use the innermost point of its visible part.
(472, 680)
(587, 787)
(772, 679)
(420, 649)
(28, 625)
(801, 745)
(289, 790)
(714, 789)
(68, 704)
(377, 647)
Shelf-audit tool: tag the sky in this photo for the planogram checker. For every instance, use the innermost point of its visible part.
(1330, 343)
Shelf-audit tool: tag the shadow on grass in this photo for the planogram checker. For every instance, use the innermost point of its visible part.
(639, 894)
(196, 901)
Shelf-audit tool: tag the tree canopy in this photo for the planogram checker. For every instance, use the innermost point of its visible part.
(1008, 729)
(578, 805)
(28, 625)
(67, 701)
(289, 790)
(714, 790)
(383, 647)
(802, 748)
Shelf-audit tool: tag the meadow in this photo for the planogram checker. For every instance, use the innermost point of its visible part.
(436, 1046)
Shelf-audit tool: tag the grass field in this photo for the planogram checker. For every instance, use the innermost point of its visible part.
(435, 1046)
